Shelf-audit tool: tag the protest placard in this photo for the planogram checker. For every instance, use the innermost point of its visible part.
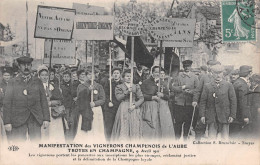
(93, 27)
(132, 24)
(54, 22)
(174, 32)
(63, 52)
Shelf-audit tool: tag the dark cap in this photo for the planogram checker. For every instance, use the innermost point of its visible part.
(116, 68)
(213, 62)
(7, 69)
(235, 72)
(204, 68)
(66, 72)
(217, 68)
(24, 59)
(244, 70)
(187, 63)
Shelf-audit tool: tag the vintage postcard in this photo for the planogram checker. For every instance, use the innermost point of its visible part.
(157, 82)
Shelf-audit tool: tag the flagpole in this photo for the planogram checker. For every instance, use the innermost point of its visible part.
(132, 61)
(27, 42)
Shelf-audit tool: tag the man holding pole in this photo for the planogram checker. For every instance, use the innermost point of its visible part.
(184, 89)
(25, 104)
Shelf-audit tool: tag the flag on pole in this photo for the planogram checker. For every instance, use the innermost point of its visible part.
(141, 53)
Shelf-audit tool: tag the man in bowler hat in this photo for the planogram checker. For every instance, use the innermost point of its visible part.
(25, 104)
(218, 104)
(243, 115)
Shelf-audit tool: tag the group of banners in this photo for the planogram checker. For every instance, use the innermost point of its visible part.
(64, 24)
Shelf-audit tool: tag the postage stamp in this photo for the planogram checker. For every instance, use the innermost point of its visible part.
(238, 21)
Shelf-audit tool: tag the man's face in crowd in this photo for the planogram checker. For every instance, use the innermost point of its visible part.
(66, 77)
(187, 68)
(116, 75)
(25, 68)
(218, 76)
(234, 77)
(6, 76)
(139, 67)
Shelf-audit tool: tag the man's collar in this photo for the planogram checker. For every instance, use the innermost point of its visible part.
(245, 79)
(139, 72)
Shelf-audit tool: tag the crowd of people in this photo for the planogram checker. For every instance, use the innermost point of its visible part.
(72, 104)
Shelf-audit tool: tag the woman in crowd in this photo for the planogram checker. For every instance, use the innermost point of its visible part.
(156, 118)
(7, 73)
(53, 78)
(66, 87)
(93, 114)
(55, 132)
(3, 137)
(127, 124)
(111, 106)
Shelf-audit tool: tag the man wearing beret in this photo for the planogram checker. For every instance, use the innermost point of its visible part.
(25, 104)
(243, 115)
(218, 104)
(184, 89)
(206, 78)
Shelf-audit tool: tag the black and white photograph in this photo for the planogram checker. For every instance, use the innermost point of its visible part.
(130, 82)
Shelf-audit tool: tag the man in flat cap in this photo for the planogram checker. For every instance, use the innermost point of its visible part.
(184, 90)
(234, 75)
(25, 104)
(243, 115)
(218, 104)
(200, 128)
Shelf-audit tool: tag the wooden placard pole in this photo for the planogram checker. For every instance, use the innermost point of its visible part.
(27, 39)
(50, 61)
(92, 69)
(170, 73)
(132, 69)
(160, 65)
(110, 72)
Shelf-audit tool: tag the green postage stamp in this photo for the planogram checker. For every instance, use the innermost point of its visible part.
(238, 21)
